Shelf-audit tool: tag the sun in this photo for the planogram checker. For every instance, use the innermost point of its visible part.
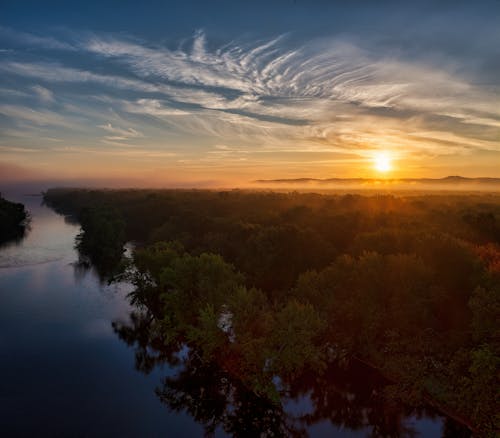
(382, 162)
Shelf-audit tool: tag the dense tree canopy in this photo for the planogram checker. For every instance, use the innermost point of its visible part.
(268, 286)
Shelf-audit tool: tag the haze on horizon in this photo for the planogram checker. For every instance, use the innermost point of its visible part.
(222, 94)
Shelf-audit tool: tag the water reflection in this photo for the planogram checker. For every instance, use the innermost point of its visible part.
(341, 401)
(43, 239)
(216, 400)
(64, 372)
(209, 394)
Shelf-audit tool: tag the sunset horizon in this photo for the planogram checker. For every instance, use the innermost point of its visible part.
(250, 218)
(210, 98)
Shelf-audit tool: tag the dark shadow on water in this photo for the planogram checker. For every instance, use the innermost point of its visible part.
(215, 400)
(211, 396)
(346, 398)
(81, 269)
(15, 235)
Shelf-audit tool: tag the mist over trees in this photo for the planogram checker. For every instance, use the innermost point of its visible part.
(268, 286)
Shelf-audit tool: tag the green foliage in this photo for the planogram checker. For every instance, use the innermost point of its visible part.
(154, 258)
(204, 302)
(207, 334)
(206, 278)
(485, 225)
(482, 386)
(102, 238)
(485, 306)
(273, 284)
(295, 339)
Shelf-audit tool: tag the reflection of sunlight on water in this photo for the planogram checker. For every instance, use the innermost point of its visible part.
(49, 238)
(24, 256)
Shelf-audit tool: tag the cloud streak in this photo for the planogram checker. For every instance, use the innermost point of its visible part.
(44, 94)
(31, 40)
(267, 95)
(336, 71)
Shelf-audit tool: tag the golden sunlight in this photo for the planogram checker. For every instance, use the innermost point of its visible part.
(382, 162)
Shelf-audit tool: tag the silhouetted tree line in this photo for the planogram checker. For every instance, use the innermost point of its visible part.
(13, 220)
(270, 285)
(102, 237)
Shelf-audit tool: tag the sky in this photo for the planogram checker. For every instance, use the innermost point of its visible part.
(222, 93)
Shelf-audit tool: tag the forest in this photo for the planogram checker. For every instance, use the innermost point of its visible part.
(13, 220)
(265, 287)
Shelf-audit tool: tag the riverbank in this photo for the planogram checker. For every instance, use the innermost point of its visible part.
(13, 220)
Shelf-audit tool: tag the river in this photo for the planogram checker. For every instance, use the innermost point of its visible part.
(65, 372)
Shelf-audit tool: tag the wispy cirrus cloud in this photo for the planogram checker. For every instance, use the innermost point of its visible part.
(121, 132)
(119, 136)
(333, 70)
(37, 117)
(55, 72)
(44, 94)
(152, 107)
(264, 96)
(32, 40)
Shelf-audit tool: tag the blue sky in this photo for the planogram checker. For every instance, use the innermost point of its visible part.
(224, 92)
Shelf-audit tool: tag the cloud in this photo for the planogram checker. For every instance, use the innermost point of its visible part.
(13, 93)
(197, 67)
(474, 120)
(40, 118)
(121, 132)
(55, 72)
(269, 96)
(152, 107)
(29, 39)
(44, 94)
(336, 71)
(119, 136)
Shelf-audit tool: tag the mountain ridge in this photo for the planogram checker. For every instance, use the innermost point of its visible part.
(450, 179)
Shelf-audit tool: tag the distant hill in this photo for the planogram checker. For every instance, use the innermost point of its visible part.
(448, 180)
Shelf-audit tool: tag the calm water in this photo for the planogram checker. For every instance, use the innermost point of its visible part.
(65, 372)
